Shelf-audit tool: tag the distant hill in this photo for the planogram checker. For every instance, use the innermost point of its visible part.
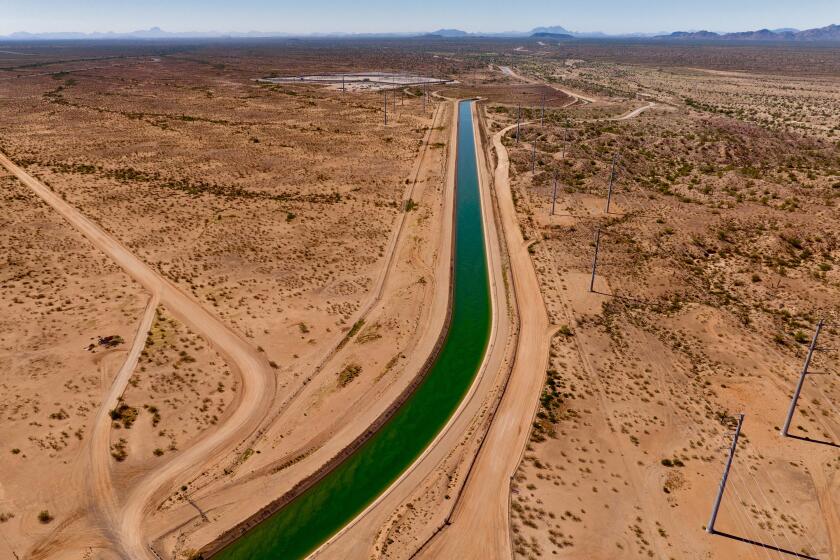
(449, 33)
(690, 35)
(828, 33)
(553, 30)
(760, 35)
(547, 35)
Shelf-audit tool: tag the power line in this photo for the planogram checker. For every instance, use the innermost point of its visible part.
(827, 400)
(769, 503)
(757, 504)
(749, 522)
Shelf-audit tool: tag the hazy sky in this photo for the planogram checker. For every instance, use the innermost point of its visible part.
(305, 16)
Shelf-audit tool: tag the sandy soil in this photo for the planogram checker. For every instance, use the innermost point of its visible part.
(62, 299)
(253, 367)
(216, 279)
(645, 379)
(644, 376)
(282, 259)
(402, 326)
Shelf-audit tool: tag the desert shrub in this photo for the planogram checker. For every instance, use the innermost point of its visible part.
(125, 414)
(155, 414)
(348, 374)
(111, 341)
(357, 326)
(119, 450)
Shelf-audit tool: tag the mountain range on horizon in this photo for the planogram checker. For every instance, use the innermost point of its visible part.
(827, 33)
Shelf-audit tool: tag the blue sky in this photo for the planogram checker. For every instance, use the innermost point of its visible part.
(306, 16)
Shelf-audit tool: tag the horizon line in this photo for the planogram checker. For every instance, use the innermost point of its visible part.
(254, 32)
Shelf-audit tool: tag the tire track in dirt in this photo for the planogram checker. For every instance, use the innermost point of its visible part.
(480, 524)
(257, 377)
(101, 490)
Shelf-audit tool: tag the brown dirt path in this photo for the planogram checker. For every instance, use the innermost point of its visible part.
(480, 527)
(101, 491)
(258, 379)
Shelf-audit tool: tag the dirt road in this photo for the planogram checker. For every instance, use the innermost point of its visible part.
(100, 488)
(257, 377)
(636, 112)
(508, 71)
(480, 527)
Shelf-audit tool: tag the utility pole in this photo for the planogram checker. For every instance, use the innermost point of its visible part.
(710, 528)
(798, 390)
(518, 119)
(554, 197)
(385, 97)
(609, 187)
(595, 259)
(342, 84)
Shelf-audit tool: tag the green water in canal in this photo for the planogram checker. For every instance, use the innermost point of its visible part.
(320, 512)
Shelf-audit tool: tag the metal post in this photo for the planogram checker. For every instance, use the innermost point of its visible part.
(342, 84)
(554, 196)
(798, 390)
(385, 97)
(595, 259)
(424, 98)
(609, 188)
(518, 119)
(710, 528)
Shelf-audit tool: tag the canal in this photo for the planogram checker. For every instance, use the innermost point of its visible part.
(313, 517)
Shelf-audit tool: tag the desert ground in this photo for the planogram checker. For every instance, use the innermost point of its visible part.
(213, 286)
(240, 199)
(717, 259)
